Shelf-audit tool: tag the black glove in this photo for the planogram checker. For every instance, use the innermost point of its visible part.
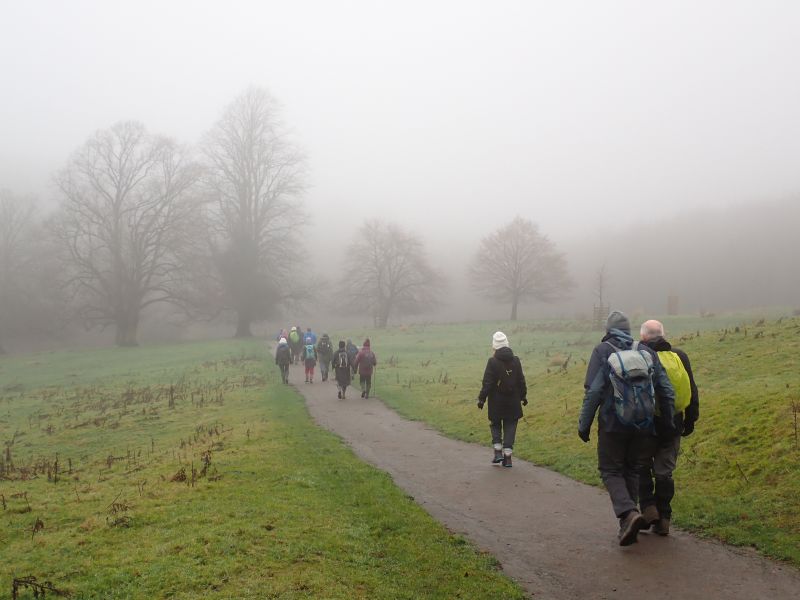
(480, 403)
(583, 434)
(524, 402)
(688, 428)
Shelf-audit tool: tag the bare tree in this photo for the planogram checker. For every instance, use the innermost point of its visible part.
(388, 273)
(28, 294)
(517, 263)
(126, 202)
(256, 177)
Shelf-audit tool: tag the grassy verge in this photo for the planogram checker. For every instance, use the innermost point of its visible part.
(187, 471)
(737, 478)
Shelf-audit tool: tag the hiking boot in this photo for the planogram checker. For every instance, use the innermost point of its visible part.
(498, 456)
(650, 514)
(363, 394)
(661, 527)
(629, 527)
(507, 457)
(339, 395)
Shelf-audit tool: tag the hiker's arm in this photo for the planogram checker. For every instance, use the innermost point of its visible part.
(592, 399)
(523, 386)
(595, 362)
(692, 412)
(489, 381)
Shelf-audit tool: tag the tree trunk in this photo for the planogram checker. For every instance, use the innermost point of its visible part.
(383, 315)
(127, 327)
(514, 304)
(243, 327)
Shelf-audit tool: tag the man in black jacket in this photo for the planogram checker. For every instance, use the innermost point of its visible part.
(623, 448)
(655, 500)
(504, 386)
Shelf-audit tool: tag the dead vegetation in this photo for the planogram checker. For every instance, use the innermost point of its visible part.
(39, 589)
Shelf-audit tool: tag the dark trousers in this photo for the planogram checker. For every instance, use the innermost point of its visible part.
(366, 383)
(323, 369)
(503, 432)
(284, 373)
(659, 468)
(620, 458)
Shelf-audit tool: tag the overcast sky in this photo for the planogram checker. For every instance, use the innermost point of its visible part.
(447, 116)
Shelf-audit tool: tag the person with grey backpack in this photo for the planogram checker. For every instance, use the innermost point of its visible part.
(624, 379)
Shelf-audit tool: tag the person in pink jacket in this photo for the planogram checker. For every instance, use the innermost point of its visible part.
(365, 363)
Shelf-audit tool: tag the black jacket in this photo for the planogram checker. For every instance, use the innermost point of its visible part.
(504, 404)
(282, 355)
(692, 412)
(342, 374)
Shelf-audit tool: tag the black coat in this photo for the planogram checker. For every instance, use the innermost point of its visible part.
(504, 404)
(282, 355)
(342, 374)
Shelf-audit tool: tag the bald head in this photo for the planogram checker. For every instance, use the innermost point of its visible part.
(651, 329)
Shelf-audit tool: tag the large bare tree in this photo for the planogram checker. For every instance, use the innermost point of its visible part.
(126, 202)
(388, 274)
(256, 176)
(518, 263)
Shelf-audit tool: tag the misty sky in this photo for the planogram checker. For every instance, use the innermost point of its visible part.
(447, 116)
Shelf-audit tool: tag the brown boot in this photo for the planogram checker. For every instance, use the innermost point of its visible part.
(661, 526)
(629, 527)
(650, 514)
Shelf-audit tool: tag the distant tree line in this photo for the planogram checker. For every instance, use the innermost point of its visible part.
(143, 220)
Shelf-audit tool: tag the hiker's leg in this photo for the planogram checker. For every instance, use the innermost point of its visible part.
(362, 380)
(646, 497)
(612, 449)
(645, 487)
(496, 428)
(639, 454)
(369, 384)
(664, 464)
(509, 432)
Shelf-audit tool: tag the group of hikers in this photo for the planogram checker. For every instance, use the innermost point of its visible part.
(647, 400)
(296, 346)
(644, 391)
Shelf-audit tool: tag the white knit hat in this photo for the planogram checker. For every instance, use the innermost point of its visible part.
(499, 340)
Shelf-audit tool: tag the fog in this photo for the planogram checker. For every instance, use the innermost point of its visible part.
(673, 127)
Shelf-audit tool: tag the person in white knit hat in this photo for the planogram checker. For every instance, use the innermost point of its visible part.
(505, 388)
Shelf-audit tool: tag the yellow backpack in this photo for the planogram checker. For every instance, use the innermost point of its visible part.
(678, 377)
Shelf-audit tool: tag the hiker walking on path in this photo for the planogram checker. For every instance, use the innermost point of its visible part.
(624, 379)
(310, 361)
(352, 352)
(505, 388)
(324, 355)
(310, 337)
(365, 364)
(283, 358)
(341, 369)
(295, 344)
(655, 499)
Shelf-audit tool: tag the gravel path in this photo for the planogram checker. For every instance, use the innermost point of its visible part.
(553, 535)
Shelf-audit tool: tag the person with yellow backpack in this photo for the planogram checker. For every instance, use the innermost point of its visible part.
(656, 486)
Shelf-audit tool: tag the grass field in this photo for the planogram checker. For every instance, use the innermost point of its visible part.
(187, 471)
(738, 478)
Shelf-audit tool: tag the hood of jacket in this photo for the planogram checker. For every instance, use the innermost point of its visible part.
(658, 344)
(504, 354)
